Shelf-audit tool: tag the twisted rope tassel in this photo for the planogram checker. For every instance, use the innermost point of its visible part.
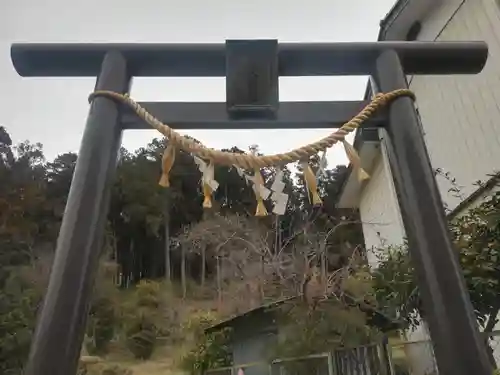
(311, 184)
(279, 198)
(208, 183)
(258, 186)
(355, 160)
(167, 161)
(207, 196)
(260, 210)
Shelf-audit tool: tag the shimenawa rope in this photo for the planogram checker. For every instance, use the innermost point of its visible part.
(251, 160)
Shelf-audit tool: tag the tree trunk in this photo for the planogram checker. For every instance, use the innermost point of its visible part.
(168, 274)
(203, 261)
(132, 262)
(277, 240)
(219, 283)
(207, 215)
(183, 271)
(323, 271)
(263, 279)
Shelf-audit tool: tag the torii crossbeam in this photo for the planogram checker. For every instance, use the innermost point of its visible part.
(252, 69)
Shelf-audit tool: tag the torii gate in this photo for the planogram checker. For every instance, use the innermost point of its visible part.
(252, 69)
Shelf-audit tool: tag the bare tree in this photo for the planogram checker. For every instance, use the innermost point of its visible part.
(247, 268)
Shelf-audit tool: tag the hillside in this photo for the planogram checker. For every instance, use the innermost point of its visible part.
(170, 268)
(223, 261)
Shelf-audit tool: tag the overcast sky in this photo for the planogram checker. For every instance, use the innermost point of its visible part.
(53, 110)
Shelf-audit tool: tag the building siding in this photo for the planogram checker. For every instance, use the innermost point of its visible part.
(460, 118)
(461, 114)
(253, 350)
(379, 210)
(461, 124)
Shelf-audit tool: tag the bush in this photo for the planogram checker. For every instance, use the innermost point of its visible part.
(206, 350)
(115, 370)
(141, 337)
(101, 326)
(102, 369)
(18, 307)
(103, 318)
(148, 295)
(143, 315)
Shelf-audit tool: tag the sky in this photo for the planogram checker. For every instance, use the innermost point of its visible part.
(53, 111)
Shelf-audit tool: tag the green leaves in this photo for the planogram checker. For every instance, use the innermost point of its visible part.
(476, 234)
(207, 350)
(142, 319)
(18, 307)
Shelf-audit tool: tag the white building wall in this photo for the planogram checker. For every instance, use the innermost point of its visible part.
(460, 117)
(461, 114)
(379, 209)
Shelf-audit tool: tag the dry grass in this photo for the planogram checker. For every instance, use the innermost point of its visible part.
(151, 367)
(161, 363)
(167, 355)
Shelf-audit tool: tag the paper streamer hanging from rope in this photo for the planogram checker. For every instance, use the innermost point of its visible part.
(209, 185)
(167, 161)
(253, 161)
(355, 160)
(261, 192)
(311, 183)
(323, 163)
(280, 199)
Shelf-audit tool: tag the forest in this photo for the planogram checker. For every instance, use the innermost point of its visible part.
(170, 268)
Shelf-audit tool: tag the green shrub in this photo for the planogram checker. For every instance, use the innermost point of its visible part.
(18, 307)
(148, 295)
(115, 370)
(141, 337)
(101, 326)
(103, 318)
(206, 350)
(142, 318)
(102, 369)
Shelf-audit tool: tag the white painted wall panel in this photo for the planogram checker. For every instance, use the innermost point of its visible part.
(379, 209)
(461, 114)
(460, 118)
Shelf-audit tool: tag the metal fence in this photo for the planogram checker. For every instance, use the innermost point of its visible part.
(365, 360)
(413, 358)
(247, 369)
(406, 358)
(221, 371)
(417, 357)
(318, 364)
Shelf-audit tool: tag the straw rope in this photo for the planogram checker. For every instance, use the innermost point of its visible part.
(250, 161)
